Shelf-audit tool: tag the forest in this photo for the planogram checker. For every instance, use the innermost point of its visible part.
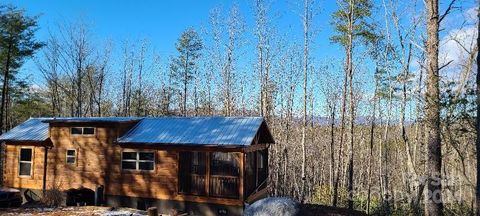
(388, 126)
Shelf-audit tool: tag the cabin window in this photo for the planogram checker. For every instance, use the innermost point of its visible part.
(71, 156)
(193, 173)
(132, 160)
(82, 131)
(25, 166)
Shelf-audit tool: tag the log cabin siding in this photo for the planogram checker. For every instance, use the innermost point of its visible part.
(11, 173)
(98, 162)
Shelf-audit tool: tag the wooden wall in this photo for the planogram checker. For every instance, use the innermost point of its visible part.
(10, 171)
(98, 162)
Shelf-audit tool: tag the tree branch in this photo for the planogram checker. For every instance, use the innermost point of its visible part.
(445, 65)
(450, 7)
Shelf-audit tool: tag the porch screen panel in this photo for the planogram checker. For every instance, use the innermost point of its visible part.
(250, 178)
(262, 168)
(192, 173)
(224, 174)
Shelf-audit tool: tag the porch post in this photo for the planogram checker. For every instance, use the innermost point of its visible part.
(207, 174)
(241, 179)
(45, 160)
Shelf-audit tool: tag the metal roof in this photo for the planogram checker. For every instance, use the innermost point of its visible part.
(34, 129)
(231, 131)
(92, 119)
(226, 131)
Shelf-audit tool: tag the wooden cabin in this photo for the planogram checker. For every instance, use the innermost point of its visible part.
(198, 165)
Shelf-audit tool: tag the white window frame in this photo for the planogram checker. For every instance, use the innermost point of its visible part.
(70, 156)
(20, 161)
(137, 160)
(83, 133)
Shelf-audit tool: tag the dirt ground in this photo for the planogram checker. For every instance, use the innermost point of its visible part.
(73, 211)
(307, 210)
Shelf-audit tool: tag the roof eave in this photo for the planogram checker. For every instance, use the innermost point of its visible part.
(190, 145)
(89, 121)
(23, 141)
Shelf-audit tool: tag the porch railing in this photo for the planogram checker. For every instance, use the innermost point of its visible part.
(224, 186)
(193, 184)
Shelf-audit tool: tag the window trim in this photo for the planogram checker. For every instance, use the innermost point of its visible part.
(137, 160)
(20, 162)
(83, 133)
(74, 156)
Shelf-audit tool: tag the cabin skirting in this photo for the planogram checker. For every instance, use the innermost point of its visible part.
(164, 206)
(167, 206)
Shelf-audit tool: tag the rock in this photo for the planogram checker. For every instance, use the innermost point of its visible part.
(273, 206)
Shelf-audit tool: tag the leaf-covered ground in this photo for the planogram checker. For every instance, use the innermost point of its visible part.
(311, 210)
(73, 211)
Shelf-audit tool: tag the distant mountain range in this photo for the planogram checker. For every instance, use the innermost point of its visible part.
(360, 120)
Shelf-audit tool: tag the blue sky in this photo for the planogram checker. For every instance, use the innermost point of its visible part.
(161, 22)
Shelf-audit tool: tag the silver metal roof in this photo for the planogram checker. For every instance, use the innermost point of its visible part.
(34, 129)
(226, 131)
(194, 131)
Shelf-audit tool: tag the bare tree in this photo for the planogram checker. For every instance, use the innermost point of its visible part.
(50, 69)
(477, 141)
(433, 197)
(77, 56)
(263, 33)
(127, 73)
(235, 28)
(306, 19)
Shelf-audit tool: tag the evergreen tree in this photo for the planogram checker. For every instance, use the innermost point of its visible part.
(17, 43)
(25, 102)
(351, 25)
(189, 46)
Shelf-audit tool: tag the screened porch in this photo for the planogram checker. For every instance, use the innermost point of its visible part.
(222, 174)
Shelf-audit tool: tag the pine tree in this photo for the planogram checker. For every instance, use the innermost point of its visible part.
(350, 24)
(17, 43)
(189, 47)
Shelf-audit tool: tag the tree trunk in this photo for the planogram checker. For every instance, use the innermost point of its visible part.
(340, 151)
(79, 88)
(6, 74)
(332, 145)
(433, 199)
(372, 136)
(352, 115)
(477, 141)
(306, 26)
(185, 85)
(260, 67)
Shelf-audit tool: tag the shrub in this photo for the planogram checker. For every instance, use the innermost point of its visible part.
(323, 193)
(54, 196)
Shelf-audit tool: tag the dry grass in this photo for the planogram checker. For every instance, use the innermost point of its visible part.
(73, 211)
